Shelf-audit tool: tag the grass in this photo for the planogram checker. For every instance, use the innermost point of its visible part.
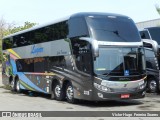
(6, 87)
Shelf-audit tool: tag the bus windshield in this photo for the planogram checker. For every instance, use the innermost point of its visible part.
(113, 28)
(120, 61)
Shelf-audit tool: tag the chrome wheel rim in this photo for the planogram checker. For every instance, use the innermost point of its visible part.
(153, 85)
(12, 84)
(69, 92)
(57, 90)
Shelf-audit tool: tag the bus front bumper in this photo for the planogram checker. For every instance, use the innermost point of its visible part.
(102, 96)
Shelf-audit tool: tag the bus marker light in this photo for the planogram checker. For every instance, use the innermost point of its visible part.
(79, 93)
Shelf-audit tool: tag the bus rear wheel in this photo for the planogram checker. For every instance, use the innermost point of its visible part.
(70, 93)
(58, 92)
(17, 85)
(12, 84)
(152, 85)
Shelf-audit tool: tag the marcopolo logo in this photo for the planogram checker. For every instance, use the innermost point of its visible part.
(36, 50)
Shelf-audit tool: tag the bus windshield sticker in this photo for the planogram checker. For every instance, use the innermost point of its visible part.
(126, 72)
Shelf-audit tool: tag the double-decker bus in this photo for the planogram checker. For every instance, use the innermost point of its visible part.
(152, 65)
(86, 56)
(151, 39)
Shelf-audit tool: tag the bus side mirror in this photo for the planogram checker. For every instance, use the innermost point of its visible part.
(94, 44)
(151, 44)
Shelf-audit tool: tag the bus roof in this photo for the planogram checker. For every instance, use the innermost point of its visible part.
(81, 14)
(85, 14)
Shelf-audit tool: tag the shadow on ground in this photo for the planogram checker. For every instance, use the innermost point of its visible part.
(108, 103)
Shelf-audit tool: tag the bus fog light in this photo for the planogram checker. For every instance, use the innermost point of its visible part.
(144, 92)
(100, 95)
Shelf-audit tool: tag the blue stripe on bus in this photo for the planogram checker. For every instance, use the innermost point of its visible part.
(21, 86)
(24, 78)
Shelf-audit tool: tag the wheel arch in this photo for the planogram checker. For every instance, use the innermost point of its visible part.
(10, 79)
(151, 76)
(65, 82)
(16, 77)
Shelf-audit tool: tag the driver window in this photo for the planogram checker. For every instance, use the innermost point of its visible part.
(82, 53)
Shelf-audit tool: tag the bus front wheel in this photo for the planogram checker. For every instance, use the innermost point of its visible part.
(152, 85)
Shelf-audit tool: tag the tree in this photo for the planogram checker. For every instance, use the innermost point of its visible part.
(4, 27)
(20, 28)
(157, 8)
(9, 28)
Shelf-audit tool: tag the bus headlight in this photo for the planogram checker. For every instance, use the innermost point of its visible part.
(102, 87)
(142, 85)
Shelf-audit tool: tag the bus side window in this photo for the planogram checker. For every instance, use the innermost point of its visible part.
(7, 43)
(57, 61)
(150, 59)
(144, 34)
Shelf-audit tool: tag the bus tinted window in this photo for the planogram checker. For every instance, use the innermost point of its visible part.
(150, 59)
(7, 43)
(82, 53)
(44, 34)
(21, 40)
(77, 27)
(114, 29)
(49, 33)
(155, 34)
(38, 64)
(144, 35)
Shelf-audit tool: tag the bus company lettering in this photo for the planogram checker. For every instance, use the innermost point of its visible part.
(61, 52)
(36, 50)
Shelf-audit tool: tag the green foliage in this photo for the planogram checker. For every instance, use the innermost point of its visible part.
(0, 51)
(20, 28)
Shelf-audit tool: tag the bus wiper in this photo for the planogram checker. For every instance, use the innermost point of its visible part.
(117, 33)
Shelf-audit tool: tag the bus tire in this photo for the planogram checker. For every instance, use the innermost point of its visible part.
(58, 92)
(12, 84)
(70, 93)
(152, 85)
(17, 86)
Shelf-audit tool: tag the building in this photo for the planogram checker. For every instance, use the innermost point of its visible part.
(149, 23)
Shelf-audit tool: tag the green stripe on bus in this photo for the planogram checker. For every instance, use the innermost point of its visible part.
(27, 86)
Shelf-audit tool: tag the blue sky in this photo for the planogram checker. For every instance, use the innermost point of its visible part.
(43, 11)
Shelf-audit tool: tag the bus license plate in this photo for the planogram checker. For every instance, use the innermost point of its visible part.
(125, 95)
